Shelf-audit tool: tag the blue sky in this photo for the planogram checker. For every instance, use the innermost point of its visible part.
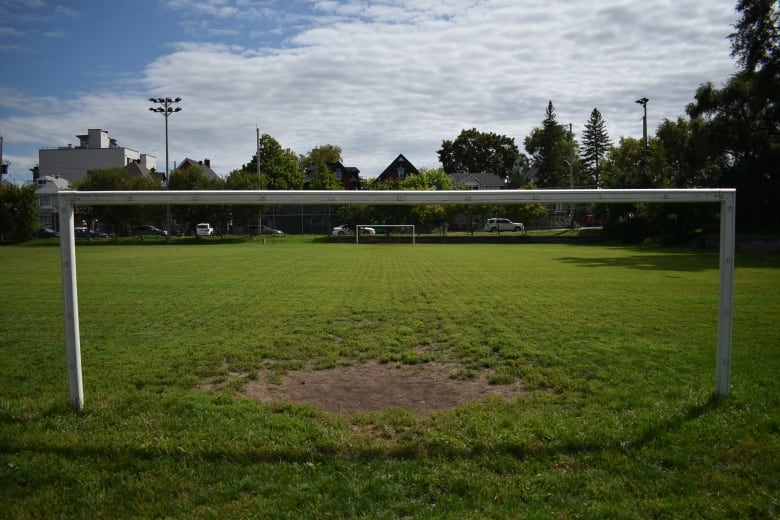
(376, 78)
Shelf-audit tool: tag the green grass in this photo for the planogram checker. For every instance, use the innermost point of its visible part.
(616, 346)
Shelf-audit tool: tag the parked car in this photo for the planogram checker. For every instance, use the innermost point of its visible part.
(47, 232)
(204, 229)
(503, 224)
(265, 230)
(148, 230)
(346, 229)
(82, 232)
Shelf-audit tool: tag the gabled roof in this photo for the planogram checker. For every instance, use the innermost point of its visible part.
(204, 166)
(482, 181)
(136, 169)
(51, 186)
(391, 172)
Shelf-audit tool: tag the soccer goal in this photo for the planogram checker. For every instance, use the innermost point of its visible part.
(68, 200)
(385, 229)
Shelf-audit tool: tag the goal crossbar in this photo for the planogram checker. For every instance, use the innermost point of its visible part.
(68, 200)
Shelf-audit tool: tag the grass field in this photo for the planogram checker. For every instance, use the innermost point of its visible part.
(615, 347)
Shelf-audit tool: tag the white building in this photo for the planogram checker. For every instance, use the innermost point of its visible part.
(47, 189)
(95, 151)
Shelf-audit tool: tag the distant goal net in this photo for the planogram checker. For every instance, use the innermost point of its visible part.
(368, 230)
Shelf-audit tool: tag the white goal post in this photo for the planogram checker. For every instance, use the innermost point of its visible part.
(68, 200)
(402, 227)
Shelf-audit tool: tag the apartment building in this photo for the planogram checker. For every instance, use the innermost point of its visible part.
(95, 151)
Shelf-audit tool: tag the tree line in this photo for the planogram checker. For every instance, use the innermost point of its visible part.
(728, 137)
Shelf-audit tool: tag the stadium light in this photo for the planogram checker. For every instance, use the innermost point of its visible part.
(166, 110)
(643, 101)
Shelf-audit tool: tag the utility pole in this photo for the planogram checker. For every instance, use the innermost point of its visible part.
(3, 164)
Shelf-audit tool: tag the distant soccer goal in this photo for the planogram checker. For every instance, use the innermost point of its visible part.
(384, 229)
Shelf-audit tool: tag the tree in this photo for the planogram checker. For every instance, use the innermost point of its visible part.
(325, 154)
(756, 41)
(118, 218)
(595, 145)
(324, 179)
(549, 148)
(431, 179)
(744, 117)
(687, 160)
(193, 178)
(242, 179)
(477, 152)
(279, 166)
(18, 212)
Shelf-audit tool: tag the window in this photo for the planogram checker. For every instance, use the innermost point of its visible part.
(401, 172)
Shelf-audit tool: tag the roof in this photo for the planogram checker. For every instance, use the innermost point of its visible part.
(482, 181)
(391, 172)
(204, 166)
(136, 169)
(50, 185)
(351, 173)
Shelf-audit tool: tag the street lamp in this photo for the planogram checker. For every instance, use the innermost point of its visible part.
(643, 101)
(166, 109)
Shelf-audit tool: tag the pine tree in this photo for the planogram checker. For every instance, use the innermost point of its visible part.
(595, 145)
(549, 147)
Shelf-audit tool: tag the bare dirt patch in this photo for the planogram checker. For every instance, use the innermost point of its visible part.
(375, 386)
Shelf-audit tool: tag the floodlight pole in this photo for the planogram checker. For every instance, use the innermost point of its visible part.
(166, 110)
(643, 101)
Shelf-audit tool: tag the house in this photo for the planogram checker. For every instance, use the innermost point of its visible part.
(204, 166)
(479, 181)
(137, 169)
(347, 176)
(397, 170)
(47, 189)
(95, 151)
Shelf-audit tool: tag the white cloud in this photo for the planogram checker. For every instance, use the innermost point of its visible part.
(395, 76)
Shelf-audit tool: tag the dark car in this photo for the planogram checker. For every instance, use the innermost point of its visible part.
(148, 230)
(47, 232)
(82, 232)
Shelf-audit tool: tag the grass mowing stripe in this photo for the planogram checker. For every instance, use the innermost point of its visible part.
(616, 345)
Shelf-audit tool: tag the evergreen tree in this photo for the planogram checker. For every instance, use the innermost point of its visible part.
(549, 149)
(595, 145)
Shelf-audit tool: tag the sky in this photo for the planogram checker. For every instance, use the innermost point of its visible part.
(376, 78)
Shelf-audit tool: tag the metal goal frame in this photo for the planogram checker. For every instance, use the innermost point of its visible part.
(69, 200)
